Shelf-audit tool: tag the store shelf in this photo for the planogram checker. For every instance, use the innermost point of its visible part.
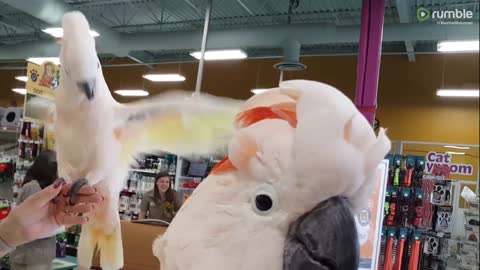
(30, 141)
(186, 189)
(190, 178)
(150, 171)
(8, 130)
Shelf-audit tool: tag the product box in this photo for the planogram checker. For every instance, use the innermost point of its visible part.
(472, 225)
(468, 255)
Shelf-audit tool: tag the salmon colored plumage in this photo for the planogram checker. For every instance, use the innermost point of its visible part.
(223, 167)
(252, 116)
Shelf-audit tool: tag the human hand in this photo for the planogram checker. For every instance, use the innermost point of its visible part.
(46, 212)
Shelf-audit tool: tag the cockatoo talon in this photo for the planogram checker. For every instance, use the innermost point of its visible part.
(76, 186)
(324, 238)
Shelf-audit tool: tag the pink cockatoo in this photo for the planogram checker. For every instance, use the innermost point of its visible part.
(300, 164)
(97, 138)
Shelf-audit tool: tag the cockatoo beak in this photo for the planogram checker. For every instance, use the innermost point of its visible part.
(323, 239)
(88, 88)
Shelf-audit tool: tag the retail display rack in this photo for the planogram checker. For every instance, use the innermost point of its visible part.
(418, 218)
(31, 142)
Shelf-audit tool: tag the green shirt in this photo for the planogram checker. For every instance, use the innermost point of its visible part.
(155, 209)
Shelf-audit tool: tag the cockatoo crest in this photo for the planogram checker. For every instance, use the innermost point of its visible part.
(331, 138)
(300, 161)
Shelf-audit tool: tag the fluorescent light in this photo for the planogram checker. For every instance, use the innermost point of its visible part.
(457, 92)
(132, 93)
(258, 91)
(456, 153)
(457, 147)
(221, 54)
(164, 77)
(21, 91)
(58, 32)
(458, 46)
(41, 60)
(21, 78)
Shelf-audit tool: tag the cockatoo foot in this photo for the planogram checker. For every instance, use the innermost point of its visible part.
(76, 186)
(323, 239)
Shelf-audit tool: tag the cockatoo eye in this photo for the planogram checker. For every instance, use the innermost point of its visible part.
(264, 200)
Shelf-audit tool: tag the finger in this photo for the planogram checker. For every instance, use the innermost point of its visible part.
(66, 189)
(69, 220)
(84, 190)
(87, 190)
(65, 199)
(88, 199)
(79, 208)
(47, 194)
(77, 185)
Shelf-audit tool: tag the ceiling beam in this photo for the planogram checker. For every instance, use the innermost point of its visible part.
(403, 9)
(52, 11)
(268, 36)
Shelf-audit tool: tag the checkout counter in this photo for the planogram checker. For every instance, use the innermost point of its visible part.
(137, 246)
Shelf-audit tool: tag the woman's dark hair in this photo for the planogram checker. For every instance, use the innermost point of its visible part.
(43, 169)
(170, 194)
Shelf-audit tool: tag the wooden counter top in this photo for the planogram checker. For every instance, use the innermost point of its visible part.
(137, 246)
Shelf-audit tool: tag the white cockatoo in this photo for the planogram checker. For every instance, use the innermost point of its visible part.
(299, 165)
(97, 138)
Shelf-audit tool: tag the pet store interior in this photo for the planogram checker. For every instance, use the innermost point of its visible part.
(409, 66)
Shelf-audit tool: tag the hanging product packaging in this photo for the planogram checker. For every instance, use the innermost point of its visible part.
(441, 194)
(444, 218)
(123, 202)
(431, 245)
(418, 209)
(472, 223)
(396, 172)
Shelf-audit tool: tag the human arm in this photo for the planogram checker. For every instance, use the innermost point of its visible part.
(177, 204)
(144, 208)
(43, 214)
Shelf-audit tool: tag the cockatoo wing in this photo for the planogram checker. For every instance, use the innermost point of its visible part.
(41, 108)
(176, 122)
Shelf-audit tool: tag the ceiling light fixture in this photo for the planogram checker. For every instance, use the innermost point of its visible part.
(457, 93)
(458, 46)
(456, 153)
(258, 90)
(58, 32)
(21, 78)
(221, 54)
(132, 93)
(21, 91)
(41, 60)
(164, 77)
(457, 147)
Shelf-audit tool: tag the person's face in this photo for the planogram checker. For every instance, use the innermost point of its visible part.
(49, 70)
(163, 184)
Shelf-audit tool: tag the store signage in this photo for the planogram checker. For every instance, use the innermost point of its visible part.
(369, 220)
(437, 159)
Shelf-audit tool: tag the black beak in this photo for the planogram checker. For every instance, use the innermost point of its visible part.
(323, 239)
(88, 88)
